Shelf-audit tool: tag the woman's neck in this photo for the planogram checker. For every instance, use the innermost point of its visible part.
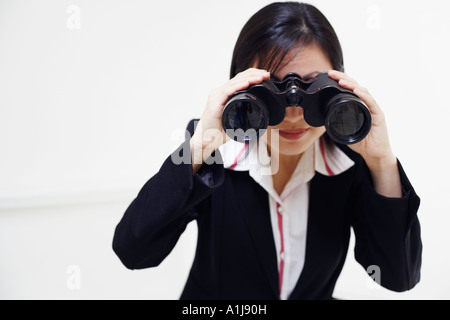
(283, 167)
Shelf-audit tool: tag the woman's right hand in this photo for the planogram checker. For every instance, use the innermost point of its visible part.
(209, 135)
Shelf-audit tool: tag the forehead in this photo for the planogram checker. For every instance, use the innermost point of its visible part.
(309, 60)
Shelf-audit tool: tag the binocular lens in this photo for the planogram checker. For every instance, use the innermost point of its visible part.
(243, 117)
(348, 121)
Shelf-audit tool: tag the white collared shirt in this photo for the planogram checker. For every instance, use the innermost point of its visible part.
(288, 211)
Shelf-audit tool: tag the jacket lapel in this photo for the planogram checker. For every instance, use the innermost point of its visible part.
(327, 240)
(254, 204)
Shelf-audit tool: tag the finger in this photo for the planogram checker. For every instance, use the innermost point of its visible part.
(251, 72)
(369, 101)
(346, 82)
(338, 75)
(236, 86)
(342, 77)
(251, 76)
(242, 83)
(352, 86)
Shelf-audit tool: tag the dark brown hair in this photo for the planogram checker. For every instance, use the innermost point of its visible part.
(278, 28)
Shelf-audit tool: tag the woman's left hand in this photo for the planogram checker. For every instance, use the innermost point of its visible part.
(375, 148)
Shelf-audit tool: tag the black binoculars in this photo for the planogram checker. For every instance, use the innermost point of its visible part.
(345, 116)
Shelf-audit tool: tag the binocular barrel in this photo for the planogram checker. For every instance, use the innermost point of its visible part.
(247, 114)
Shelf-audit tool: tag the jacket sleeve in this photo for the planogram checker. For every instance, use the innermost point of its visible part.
(154, 221)
(387, 232)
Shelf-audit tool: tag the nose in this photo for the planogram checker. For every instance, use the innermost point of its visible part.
(294, 114)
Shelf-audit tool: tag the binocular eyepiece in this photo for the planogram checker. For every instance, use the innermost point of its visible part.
(345, 116)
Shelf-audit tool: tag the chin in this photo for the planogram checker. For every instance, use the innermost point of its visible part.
(293, 150)
(295, 147)
(290, 148)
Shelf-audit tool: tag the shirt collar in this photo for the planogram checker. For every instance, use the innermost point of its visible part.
(325, 158)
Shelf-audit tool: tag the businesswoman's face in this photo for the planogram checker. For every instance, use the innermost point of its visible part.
(295, 136)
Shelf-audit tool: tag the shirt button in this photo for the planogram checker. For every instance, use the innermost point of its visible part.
(283, 256)
(280, 210)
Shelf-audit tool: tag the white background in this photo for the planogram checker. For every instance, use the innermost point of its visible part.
(92, 94)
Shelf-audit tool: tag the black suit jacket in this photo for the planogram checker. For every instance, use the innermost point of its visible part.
(236, 256)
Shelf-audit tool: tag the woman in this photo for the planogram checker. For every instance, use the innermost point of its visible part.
(282, 235)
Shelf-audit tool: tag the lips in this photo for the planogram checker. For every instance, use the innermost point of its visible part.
(294, 134)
